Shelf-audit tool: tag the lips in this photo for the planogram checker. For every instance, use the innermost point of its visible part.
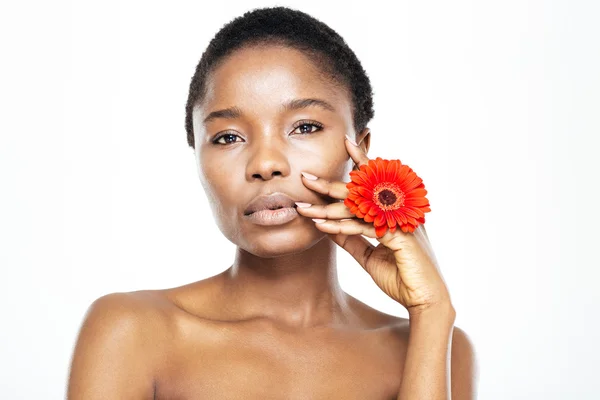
(271, 201)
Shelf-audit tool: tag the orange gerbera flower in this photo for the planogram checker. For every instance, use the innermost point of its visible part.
(389, 194)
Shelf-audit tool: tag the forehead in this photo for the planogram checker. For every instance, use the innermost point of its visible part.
(260, 79)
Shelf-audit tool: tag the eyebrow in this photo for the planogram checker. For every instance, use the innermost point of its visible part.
(295, 104)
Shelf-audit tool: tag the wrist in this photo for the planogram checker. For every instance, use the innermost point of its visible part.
(443, 311)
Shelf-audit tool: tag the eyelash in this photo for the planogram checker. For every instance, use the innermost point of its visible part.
(296, 126)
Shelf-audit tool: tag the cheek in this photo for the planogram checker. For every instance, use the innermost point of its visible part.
(215, 176)
(327, 146)
(334, 162)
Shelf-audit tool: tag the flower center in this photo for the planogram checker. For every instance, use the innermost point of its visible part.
(388, 196)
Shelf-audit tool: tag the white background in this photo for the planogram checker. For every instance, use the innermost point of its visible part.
(494, 104)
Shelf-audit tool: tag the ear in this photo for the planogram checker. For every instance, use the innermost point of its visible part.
(364, 139)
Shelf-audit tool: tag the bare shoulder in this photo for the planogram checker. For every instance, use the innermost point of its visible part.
(127, 314)
(141, 309)
(115, 351)
(464, 365)
(463, 349)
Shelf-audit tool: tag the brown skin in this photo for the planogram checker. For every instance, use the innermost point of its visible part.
(275, 324)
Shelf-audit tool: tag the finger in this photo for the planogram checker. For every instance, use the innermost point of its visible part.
(346, 227)
(356, 152)
(358, 247)
(336, 190)
(330, 211)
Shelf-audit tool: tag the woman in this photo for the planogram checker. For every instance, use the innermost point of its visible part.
(270, 105)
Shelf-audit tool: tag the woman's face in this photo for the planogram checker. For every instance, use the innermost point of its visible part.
(260, 146)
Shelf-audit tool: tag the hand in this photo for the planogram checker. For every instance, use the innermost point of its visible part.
(403, 265)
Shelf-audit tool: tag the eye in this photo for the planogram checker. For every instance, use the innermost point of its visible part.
(225, 135)
(303, 124)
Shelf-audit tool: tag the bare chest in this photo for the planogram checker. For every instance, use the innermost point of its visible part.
(221, 363)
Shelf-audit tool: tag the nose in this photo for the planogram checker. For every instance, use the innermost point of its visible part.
(268, 159)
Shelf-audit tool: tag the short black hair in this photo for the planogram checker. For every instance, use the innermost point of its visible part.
(292, 28)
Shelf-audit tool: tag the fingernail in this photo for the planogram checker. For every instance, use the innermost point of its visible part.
(319, 220)
(309, 176)
(351, 141)
(302, 205)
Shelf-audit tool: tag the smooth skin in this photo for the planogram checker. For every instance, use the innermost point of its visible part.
(276, 324)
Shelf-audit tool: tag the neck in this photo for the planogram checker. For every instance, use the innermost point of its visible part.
(298, 289)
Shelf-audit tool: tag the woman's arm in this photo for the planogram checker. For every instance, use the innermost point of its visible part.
(434, 346)
(403, 265)
(111, 358)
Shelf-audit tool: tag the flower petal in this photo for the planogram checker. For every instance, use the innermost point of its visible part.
(392, 170)
(380, 219)
(416, 201)
(359, 177)
(380, 230)
(410, 212)
(389, 216)
(364, 192)
(420, 192)
(401, 218)
(365, 207)
(360, 200)
(411, 220)
(412, 181)
(371, 173)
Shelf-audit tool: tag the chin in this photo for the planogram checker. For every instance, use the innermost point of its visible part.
(279, 242)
